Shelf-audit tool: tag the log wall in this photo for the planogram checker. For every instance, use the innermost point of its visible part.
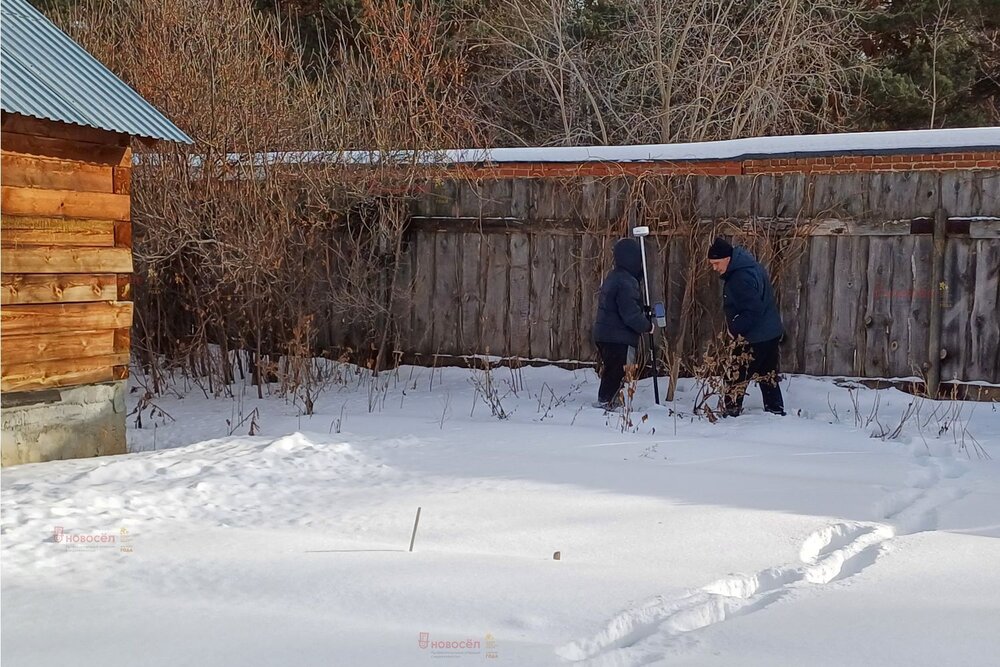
(66, 261)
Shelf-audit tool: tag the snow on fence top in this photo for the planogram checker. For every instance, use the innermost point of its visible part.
(870, 143)
(978, 138)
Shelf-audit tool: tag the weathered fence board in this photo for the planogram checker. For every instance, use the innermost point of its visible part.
(496, 300)
(959, 273)
(818, 300)
(849, 273)
(423, 294)
(789, 285)
(985, 325)
(900, 295)
(970, 193)
(878, 310)
(920, 303)
(447, 304)
(471, 295)
(676, 284)
(520, 291)
(591, 275)
(402, 311)
(565, 295)
(793, 196)
(541, 297)
(841, 196)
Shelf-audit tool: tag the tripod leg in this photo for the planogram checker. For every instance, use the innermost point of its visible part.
(652, 354)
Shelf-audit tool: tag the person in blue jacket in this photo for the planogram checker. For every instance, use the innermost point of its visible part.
(621, 320)
(752, 316)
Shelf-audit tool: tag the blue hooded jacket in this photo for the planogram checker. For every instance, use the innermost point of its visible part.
(620, 315)
(748, 299)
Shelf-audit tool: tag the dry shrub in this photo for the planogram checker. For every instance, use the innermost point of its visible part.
(718, 376)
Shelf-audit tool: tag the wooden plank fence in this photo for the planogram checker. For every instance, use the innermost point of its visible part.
(512, 266)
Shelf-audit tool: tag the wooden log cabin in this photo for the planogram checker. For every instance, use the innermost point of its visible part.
(66, 237)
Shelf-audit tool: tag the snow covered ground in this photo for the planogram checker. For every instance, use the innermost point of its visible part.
(754, 541)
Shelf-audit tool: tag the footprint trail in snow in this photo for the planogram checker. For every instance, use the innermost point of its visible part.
(649, 632)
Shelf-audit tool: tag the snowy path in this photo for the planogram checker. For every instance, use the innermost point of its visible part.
(290, 546)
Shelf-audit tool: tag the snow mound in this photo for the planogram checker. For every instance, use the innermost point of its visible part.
(238, 481)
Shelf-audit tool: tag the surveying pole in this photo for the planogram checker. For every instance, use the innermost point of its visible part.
(641, 233)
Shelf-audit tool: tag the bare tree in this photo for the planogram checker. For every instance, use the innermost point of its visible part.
(691, 70)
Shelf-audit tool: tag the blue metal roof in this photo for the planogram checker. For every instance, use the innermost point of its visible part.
(45, 74)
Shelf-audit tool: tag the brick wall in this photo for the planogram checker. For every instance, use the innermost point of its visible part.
(825, 165)
(855, 163)
(569, 169)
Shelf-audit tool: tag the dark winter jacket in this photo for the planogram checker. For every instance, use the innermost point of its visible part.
(620, 314)
(748, 299)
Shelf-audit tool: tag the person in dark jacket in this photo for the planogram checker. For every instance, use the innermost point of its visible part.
(752, 316)
(620, 320)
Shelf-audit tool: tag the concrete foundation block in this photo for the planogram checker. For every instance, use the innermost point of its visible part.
(71, 423)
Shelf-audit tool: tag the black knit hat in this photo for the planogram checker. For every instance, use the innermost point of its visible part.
(720, 249)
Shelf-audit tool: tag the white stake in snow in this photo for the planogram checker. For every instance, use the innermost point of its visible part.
(414, 535)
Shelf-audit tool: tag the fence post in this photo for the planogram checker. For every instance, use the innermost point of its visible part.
(937, 276)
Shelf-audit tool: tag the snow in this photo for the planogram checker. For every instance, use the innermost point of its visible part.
(734, 149)
(754, 541)
(845, 143)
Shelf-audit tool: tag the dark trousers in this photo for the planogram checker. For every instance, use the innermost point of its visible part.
(614, 356)
(764, 362)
